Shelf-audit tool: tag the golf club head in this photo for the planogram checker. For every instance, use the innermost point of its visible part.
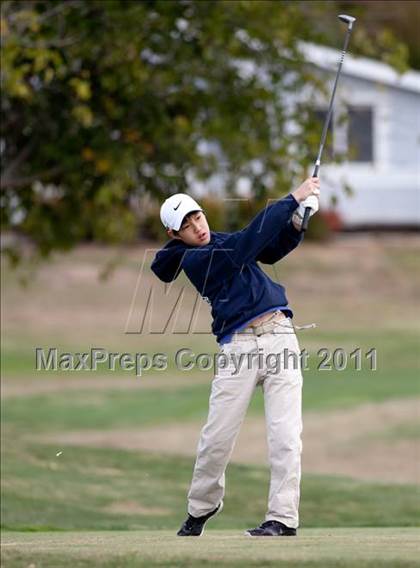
(349, 20)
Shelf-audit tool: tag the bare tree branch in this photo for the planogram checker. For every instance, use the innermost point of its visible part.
(18, 160)
(39, 176)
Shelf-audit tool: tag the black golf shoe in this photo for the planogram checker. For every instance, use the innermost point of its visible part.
(271, 528)
(194, 526)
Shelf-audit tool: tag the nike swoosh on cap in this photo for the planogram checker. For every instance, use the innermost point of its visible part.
(175, 208)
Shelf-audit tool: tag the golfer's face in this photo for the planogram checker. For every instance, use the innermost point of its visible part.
(195, 230)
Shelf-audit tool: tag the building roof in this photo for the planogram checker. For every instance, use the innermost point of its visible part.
(362, 67)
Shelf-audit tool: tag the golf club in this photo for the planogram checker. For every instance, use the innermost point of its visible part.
(349, 20)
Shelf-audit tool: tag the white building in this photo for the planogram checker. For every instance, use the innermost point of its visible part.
(380, 140)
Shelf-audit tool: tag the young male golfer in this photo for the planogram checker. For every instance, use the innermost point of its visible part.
(250, 315)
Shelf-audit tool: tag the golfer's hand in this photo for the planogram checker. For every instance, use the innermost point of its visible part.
(311, 202)
(309, 187)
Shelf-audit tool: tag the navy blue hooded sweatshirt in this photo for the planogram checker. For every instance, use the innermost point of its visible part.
(225, 271)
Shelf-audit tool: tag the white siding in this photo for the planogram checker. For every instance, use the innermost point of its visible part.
(404, 129)
(387, 191)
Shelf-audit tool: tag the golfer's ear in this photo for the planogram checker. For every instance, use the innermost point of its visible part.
(172, 234)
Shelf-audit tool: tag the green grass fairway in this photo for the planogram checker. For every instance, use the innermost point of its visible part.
(312, 548)
(96, 466)
(104, 489)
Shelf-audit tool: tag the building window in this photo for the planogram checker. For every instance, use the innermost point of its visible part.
(360, 134)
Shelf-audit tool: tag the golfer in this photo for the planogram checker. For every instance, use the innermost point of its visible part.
(250, 315)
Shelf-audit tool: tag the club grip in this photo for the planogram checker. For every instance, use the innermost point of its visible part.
(305, 219)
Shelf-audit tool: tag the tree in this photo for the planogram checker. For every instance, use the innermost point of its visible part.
(390, 30)
(106, 101)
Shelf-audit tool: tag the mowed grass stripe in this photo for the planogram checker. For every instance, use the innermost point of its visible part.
(96, 489)
(313, 548)
(121, 408)
(396, 349)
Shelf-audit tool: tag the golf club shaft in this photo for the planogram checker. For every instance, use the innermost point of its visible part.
(327, 123)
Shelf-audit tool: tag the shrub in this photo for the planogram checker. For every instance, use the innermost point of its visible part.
(215, 212)
(233, 215)
(150, 224)
(318, 228)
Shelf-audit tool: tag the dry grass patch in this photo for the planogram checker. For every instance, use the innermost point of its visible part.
(19, 387)
(341, 442)
(357, 281)
(135, 508)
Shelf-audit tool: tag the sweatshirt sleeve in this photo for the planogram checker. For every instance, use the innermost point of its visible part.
(246, 245)
(283, 243)
(167, 263)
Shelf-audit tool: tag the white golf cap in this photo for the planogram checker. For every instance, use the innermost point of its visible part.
(175, 208)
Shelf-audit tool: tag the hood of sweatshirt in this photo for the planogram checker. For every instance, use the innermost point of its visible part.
(167, 262)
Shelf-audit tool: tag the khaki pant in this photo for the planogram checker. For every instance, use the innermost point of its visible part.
(229, 400)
